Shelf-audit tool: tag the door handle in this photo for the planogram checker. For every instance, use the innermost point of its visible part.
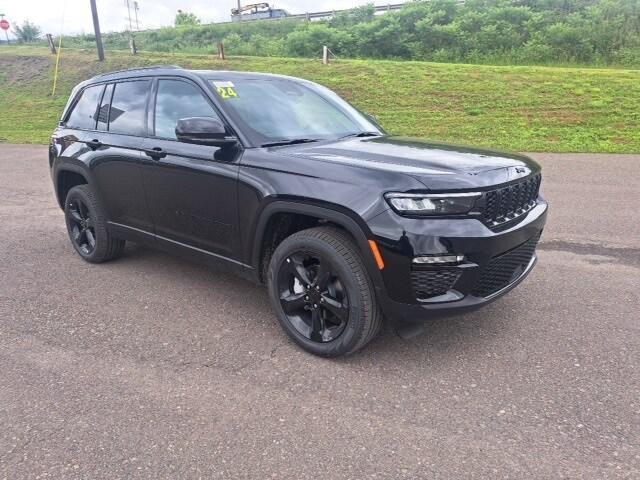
(94, 144)
(156, 153)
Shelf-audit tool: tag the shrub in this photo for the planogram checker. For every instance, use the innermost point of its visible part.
(597, 32)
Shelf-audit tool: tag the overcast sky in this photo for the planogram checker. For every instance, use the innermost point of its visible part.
(48, 14)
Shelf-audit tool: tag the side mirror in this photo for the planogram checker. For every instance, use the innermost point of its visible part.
(203, 131)
(373, 119)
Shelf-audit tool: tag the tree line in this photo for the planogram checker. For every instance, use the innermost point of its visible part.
(589, 32)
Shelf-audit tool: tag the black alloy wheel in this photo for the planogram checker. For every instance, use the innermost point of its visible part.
(312, 296)
(87, 226)
(82, 227)
(322, 293)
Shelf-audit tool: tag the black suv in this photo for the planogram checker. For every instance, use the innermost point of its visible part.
(282, 181)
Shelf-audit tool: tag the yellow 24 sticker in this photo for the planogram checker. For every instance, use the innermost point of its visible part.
(227, 92)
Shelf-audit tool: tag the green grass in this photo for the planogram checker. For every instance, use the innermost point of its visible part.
(536, 109)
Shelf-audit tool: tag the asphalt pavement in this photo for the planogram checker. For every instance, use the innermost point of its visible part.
(154, 367)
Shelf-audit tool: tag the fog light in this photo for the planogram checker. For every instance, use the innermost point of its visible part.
(436, 259)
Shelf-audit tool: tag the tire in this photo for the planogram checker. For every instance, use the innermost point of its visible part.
(338, 314)
(87, 227)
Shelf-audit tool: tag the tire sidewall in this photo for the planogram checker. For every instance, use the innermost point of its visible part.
(355, 324)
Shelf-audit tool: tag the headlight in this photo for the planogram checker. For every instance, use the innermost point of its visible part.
(432, 203)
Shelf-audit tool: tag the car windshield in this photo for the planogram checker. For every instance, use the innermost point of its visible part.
(276, 110)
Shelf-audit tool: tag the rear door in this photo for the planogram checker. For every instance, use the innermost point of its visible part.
(117, 153)
(68, 140)
(191, 189)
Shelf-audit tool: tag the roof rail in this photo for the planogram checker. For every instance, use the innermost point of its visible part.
(151, 67)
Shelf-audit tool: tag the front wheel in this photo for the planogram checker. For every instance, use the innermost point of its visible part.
(321, 292)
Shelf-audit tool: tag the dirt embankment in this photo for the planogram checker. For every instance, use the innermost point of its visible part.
(21, 69)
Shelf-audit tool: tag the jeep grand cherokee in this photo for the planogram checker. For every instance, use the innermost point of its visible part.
(284, 182)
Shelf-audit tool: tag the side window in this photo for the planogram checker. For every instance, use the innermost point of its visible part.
(83, 114)
(103, 110)
(177, 99)
(127, 112)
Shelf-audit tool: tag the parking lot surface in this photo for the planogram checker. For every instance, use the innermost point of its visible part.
(154, 367)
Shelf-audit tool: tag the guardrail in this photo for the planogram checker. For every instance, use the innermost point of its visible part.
(297, 16)
(331, 13)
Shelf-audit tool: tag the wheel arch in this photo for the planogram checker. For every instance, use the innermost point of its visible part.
(66, 177)
(328, 214)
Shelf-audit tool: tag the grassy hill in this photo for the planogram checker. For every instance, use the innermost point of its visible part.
(517, 108)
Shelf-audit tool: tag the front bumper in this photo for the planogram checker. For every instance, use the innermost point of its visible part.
(400, 239)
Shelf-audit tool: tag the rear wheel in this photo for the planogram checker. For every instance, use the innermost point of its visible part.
(87, 227)
(321, 292)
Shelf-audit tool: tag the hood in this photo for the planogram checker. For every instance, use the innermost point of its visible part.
(445, 165)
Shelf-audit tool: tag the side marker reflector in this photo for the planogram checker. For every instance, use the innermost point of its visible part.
(376, 254)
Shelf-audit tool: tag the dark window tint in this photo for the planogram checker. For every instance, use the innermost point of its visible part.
(103, 111)
(127, 112)
(83, 114)
(178, 100)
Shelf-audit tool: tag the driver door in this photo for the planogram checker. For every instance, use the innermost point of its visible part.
(191, 189)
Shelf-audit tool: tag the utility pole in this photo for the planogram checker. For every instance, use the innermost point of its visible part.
(132, 42)
(239, 11)
(136, 7)
(129, 10)
(96, 29)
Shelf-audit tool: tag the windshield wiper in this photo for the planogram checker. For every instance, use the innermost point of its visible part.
(361, 134)
(291, 141)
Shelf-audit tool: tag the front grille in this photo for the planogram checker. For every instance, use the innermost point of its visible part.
(508, 203)
(431, 283)
(505, 268)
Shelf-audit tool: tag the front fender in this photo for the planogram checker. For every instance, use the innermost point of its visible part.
(333, 213)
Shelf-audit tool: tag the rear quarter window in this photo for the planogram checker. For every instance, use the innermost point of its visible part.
(84, 113)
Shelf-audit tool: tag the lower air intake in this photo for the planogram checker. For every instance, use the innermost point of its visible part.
(431, 283)
(505, 268)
